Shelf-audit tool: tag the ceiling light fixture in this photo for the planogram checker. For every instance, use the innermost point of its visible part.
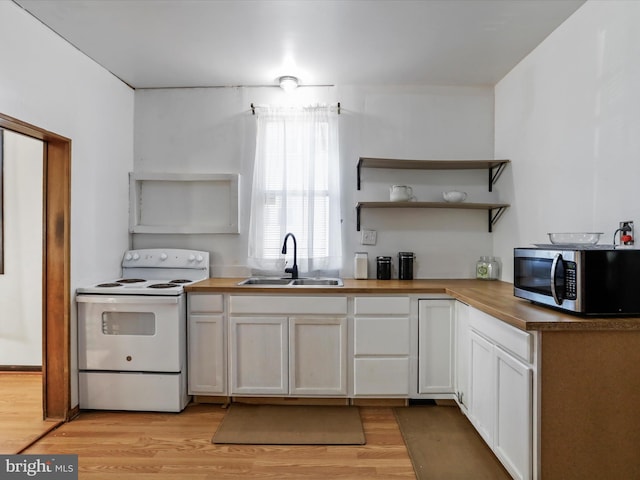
(288, 83)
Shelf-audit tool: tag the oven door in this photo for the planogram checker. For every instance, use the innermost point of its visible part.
(131, 333)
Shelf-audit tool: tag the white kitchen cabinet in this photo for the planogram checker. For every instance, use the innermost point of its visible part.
(283, 345)
(259, 348)
(207, 366)
(462, 354)
(317, 356)
(482, 386)
(381, 346)
(513, 427)
(436, 322)
(501, 390)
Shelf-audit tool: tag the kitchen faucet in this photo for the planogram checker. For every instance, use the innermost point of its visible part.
(293, 270)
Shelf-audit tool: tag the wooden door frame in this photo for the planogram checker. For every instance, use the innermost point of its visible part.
(56, 263)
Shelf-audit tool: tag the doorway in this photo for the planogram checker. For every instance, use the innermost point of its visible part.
(56, 263)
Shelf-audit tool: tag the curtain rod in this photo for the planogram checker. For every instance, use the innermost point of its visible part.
(253, 108)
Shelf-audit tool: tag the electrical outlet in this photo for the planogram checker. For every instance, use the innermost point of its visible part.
(368, 237)
(626, 228)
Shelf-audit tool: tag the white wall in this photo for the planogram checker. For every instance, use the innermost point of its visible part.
(212, 131)
(48, 83)
(21, 283)
(568, 116)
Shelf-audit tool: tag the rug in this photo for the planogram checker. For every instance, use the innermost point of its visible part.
(290, 425)
(443, 444)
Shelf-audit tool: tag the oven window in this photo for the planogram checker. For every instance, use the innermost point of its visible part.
(128, 323)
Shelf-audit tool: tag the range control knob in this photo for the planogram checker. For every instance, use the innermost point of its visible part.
(128, 256)
(136, 256)
(163, 256)
(192, 257)
(199, 258)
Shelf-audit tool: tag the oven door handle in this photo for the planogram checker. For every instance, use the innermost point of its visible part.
(128, 299)
(554, 268)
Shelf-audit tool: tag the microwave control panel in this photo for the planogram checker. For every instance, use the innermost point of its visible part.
(570, 281)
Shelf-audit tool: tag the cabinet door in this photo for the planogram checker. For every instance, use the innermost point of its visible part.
(207, 366)
(462, 354)
(383, 376)
(513, 434)
(435, 346)
(318, 356)
(259, 355)
(481, 406)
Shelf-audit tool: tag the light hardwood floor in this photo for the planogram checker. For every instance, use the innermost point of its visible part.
(21, 420)
(129, 445)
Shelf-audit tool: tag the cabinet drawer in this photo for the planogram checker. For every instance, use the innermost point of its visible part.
(204, 302)
(287, 305)
(381, 305)
(381, 336)
(381, 376)
(510, 338)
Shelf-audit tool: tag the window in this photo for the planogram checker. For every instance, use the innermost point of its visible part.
(296, 188)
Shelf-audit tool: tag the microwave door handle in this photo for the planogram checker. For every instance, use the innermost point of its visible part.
(554, 268)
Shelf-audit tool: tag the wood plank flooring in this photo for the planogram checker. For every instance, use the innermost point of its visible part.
(163, 446)
(21, 420)
(129, 445)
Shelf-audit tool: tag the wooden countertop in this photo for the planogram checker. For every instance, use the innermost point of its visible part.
(492, 297)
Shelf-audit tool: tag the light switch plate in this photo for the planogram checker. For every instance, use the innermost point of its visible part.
(368, 237)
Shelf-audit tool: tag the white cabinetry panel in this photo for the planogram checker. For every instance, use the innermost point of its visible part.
(381, 336)
(381, 376)
(259, 355)
(318, 356)
(482, 387)
(501, 391)
(207, 366)
(435, 346)
(513, 414)
(462, 354)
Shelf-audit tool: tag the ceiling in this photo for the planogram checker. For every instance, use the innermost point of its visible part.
(202, 43)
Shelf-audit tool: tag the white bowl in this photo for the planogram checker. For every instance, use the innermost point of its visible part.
(454, 196)
(578, 238)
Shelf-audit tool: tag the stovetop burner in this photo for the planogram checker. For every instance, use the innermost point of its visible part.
(130, 280)
(163, 285)
(109, 285)
(180, 280)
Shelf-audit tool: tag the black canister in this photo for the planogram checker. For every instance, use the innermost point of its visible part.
(405, 265)
(383, 268)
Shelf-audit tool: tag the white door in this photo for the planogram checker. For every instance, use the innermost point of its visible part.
(462, 354)
(318, 356)
(481, 406)
(435, 346)
(207, 367)
(259, 355)
(513, 428)
(131, 333)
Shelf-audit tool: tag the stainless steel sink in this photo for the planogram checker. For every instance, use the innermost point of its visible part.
(265, 281)
(288, 282)
(324, 282)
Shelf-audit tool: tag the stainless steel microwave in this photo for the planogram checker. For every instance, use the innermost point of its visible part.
(597, 281)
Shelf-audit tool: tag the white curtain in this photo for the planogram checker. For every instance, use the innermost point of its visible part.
(296, 188)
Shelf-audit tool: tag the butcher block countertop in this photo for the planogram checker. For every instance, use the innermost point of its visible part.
(492, 297)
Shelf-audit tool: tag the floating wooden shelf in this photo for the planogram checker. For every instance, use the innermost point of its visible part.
(494, 210)
(495, 167)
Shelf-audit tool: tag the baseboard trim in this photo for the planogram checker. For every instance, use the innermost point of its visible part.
(21, 368)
